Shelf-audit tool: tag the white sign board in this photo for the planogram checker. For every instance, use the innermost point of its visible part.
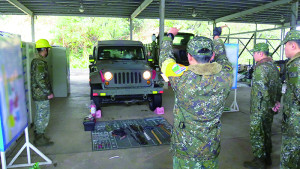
(232, 52)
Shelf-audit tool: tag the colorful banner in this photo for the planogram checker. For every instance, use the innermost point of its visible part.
(13, 114)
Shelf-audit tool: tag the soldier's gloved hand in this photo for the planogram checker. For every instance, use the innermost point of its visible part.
(50, 96)
(217, 31)
(276, 107)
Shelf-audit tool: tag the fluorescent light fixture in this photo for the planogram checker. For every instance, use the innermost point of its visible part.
(81, 9)
(194, 13)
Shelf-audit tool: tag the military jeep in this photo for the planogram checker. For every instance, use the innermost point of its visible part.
(120, 73)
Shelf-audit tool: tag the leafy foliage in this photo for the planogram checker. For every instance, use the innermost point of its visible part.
(80, 34)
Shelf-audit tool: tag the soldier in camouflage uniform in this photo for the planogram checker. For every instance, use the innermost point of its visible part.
(200, 92)
(265, 93)
(41, 92)
(290, 148)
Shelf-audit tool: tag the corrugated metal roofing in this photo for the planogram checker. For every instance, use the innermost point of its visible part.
(206, 10)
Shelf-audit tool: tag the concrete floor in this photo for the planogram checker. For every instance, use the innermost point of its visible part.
(72, 148)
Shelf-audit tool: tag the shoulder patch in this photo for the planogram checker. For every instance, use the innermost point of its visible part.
(178, 69)
(293, 77)
(293, 74)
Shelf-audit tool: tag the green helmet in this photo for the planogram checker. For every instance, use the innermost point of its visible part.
(200, 46)
(291, 36)
(260, 47)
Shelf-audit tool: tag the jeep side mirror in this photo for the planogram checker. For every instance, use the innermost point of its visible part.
(91, 58)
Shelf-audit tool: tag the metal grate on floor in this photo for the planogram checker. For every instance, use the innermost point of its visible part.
(157, 129)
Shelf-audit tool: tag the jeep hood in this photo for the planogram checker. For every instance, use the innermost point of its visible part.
(123, 65)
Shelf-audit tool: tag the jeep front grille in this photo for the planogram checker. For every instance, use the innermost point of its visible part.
(127, 77)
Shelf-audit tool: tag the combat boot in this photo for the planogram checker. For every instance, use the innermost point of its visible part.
(47, 137)
(256, 163)
(41, 140)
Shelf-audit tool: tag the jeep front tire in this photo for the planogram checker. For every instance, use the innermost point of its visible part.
(155, 101)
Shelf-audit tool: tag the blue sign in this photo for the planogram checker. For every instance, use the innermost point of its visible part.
(232, 52)
(13, 114)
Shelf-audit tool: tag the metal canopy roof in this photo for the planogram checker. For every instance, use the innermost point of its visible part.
(248, 11)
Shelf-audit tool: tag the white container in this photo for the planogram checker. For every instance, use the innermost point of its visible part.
(93, 109)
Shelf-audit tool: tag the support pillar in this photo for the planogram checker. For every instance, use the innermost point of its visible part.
(294, 15)
(282, 46)
(32, 29)
(255, 34)
(214, 25)
(161, 21)
(254, 40)
(130, 27)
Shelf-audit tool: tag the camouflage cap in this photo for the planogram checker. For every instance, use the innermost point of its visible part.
(290, 36)
(196, 45)
(260, 47)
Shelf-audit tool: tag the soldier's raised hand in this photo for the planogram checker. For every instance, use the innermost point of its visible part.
(174, 31)
(224, 26)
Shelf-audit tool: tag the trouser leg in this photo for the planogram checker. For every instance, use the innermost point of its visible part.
(42, 116)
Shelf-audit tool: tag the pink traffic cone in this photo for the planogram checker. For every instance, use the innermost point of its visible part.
(159, 110)
(98, 114)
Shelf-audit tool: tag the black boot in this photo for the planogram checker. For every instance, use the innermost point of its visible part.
(41, 140)
(47, 137)
(256, 163)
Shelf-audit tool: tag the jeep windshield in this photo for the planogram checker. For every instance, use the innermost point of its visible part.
(182, 39)
(120, 53)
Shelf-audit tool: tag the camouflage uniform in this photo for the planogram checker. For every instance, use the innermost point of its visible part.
(200, 92)
(264, 94)
(290, 148)
(41, 89)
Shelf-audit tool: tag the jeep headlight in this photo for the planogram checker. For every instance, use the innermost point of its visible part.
(108, 76)
(147, 75)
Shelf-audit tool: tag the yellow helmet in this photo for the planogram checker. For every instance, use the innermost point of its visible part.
(42, 43)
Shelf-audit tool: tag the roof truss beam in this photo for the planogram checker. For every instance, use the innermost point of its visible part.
(253, 10)
(20, 6)
(140, 8)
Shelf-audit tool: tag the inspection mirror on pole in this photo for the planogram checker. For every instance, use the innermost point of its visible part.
(13, 111)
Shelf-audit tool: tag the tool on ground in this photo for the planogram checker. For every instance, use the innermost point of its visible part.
(151, 129)
(108, 128)
(139, 136)
(164, 129)
(119, 132)
(134, 133)
(146, 135)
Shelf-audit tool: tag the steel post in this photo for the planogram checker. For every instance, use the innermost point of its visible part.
(161, 21)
